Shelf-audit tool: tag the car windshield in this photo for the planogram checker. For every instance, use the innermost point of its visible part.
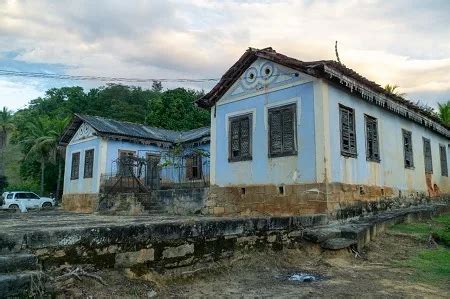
(33, 196)
(9, 196)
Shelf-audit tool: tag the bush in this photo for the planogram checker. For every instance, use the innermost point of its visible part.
(28, 185)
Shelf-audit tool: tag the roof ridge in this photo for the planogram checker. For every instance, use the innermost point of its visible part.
(127, 122)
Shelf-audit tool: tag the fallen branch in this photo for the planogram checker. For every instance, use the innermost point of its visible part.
(356, 253)
(77, 272)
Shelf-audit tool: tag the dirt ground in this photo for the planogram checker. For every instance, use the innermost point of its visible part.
(373, 273)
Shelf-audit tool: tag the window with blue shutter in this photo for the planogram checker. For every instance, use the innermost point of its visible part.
(348, 131)
(88, 163)
(443, 156)
(427, 155)
(75, 167)
(282, 131)
(408, 149)
(372, 143)
(240, 138)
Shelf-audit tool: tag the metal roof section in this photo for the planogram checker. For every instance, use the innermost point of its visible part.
(131, 131)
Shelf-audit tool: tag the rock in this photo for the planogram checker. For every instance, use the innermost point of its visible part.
(151, 294)
(319, 235)
(178, 251)
(337, 243)
(128, 259)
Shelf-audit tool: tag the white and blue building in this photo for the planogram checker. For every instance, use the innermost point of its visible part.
(95, 148)
(292, 137)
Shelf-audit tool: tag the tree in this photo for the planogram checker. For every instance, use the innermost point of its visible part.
(393, 90)
(6, 126)
(157, 86)
(42, 141)
(170, 109)
(175, 110)
(444, 112)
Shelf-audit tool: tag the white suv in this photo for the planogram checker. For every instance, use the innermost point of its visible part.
(23, 200)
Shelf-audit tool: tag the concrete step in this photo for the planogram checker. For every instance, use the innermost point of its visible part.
(18, 262)
(18, 284)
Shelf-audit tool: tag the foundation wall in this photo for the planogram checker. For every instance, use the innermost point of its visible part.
(80, 203)
(338, 200)
(267, 200)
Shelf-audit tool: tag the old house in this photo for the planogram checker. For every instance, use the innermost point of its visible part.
(107, 156)
(296, 137)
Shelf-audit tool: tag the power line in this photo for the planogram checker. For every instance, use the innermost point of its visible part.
(115, 79)
(99, 78)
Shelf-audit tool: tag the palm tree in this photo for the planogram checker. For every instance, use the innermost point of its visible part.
(41, 143)
(6, 125)
(393, 89)
(444, 112)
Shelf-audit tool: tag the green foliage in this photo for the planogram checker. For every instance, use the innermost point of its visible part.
(393, 89)
(6, 120)
(174, 109)
(37, 127)
(444, 112)
(28, 185)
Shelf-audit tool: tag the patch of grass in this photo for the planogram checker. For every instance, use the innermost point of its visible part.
(415, 228)
(438, 227)
(432, 266)
(444, 219)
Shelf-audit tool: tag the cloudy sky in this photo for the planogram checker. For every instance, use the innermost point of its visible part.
(406, 42)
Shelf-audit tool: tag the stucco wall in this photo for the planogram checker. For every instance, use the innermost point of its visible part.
(83, 185)
(262, 169)
(390, 171)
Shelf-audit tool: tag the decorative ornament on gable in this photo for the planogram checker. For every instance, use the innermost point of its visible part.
(84, 131)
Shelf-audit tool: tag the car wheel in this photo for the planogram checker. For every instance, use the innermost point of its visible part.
(14, 208)
(46, 205)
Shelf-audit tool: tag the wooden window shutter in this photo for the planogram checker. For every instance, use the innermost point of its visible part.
(408, 149)
(282, 131)
(88, 163)
(240, 138)
(372, 144)
(275, 142)
(289, 130)
(235, 139)
(189, 170)
(427, 155)
(443, 158)
(244, 137)
(200, 166)
(75, 169)
(348, 132)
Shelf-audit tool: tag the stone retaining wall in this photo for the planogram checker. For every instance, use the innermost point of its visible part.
(163, 246)
(186, 201)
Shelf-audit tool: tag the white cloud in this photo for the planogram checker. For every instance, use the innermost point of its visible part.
(16, 95)
(402, 42)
